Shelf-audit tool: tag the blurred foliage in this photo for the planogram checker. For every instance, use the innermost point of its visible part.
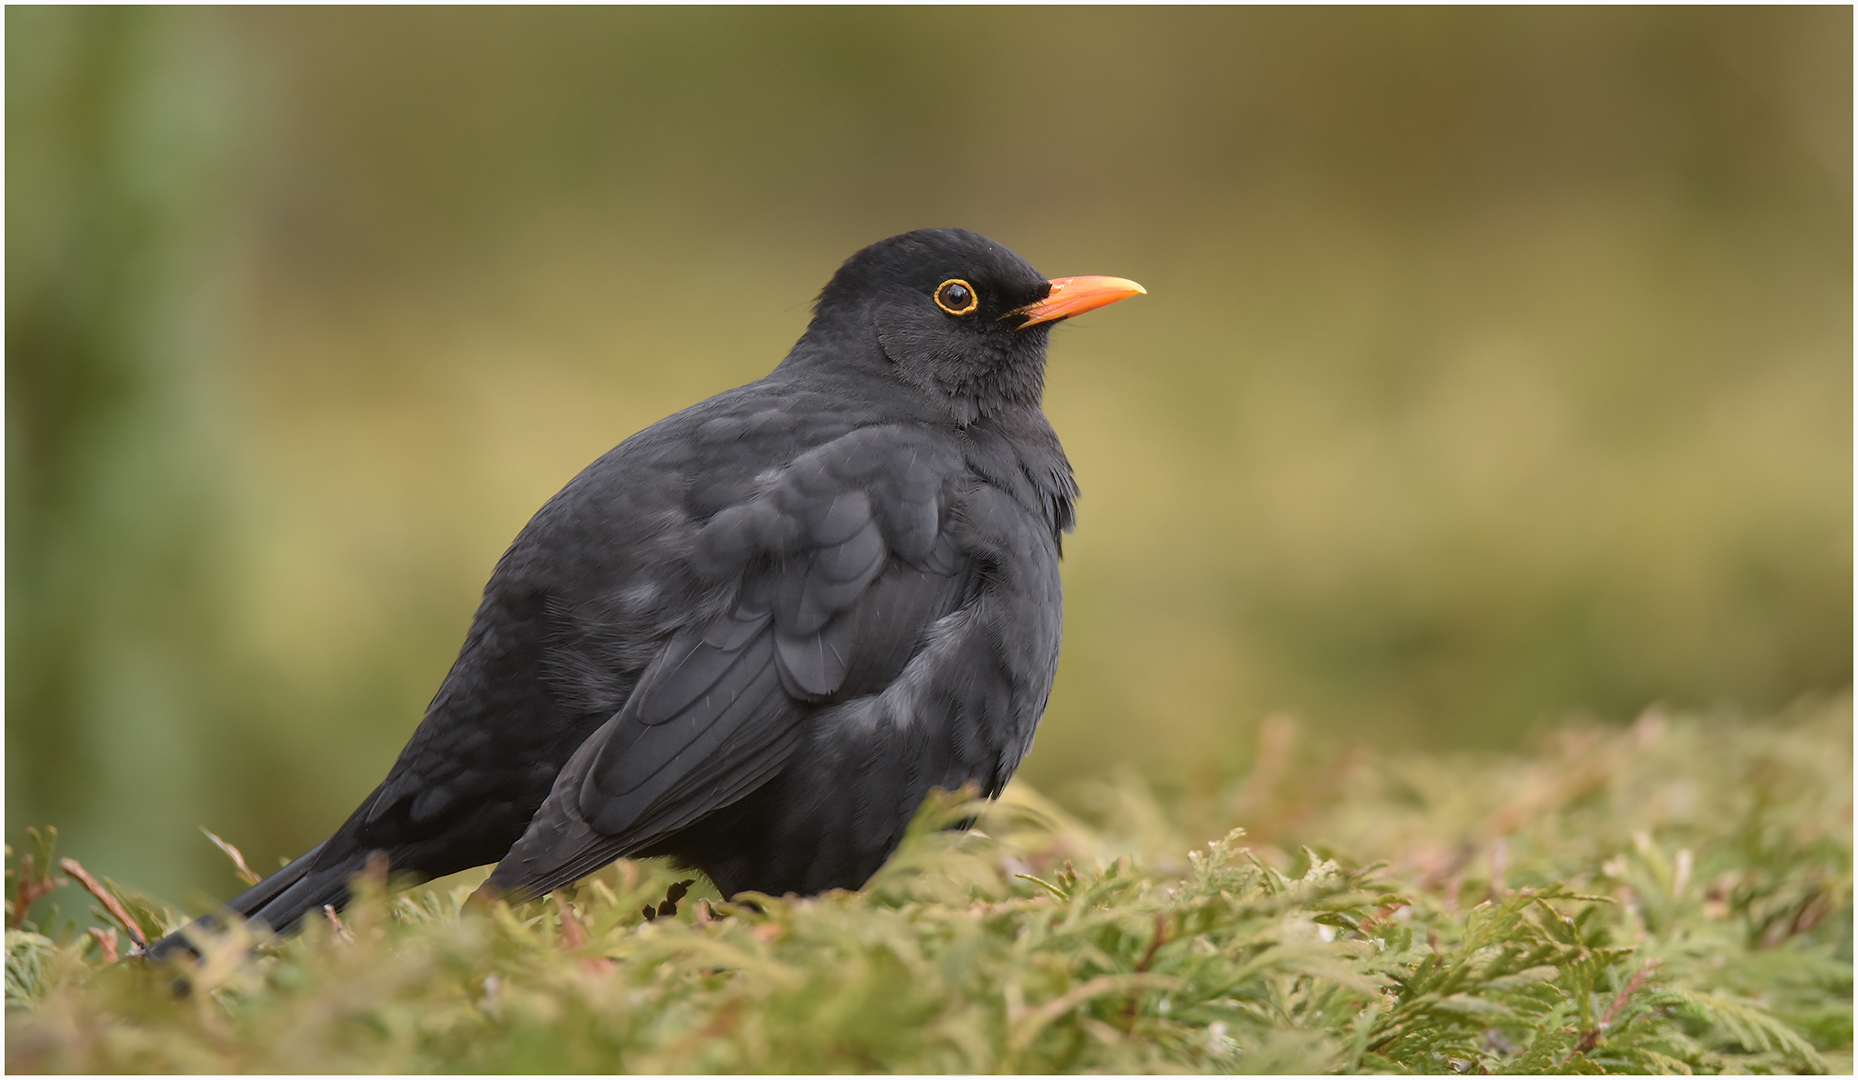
(1495, 363)
(1675, 897)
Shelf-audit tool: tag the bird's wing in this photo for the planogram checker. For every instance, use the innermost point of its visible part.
(836, 567)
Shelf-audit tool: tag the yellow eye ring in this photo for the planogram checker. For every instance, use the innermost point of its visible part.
(956, 297)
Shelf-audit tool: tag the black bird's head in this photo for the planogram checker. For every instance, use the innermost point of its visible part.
(957, 315)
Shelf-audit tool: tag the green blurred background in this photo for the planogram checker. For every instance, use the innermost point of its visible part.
(1496, 364)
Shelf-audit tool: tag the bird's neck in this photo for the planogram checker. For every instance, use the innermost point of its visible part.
(942, 390)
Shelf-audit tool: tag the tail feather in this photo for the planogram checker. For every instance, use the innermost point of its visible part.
(558, 848)
(278, 901)
(320, 886)
(261, 894)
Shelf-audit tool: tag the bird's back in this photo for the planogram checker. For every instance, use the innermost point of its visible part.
(924, 661)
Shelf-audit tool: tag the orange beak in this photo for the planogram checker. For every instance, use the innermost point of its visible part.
(1076, 295)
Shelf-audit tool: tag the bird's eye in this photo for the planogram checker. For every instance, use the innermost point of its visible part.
(956, 297)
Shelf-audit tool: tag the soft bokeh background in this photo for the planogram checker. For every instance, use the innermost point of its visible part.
(1496, 364)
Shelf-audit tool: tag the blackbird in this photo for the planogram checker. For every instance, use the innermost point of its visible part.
(753, 636)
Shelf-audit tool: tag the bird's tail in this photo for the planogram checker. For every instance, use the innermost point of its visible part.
(278, 901)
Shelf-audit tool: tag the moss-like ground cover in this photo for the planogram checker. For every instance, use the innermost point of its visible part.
(1670, 897)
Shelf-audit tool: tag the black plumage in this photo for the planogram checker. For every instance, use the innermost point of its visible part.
(754, 635)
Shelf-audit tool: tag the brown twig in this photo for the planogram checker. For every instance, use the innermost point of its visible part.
(1499, 861)
(1591, 1037)
(1812, 910)
(31, 887)
(106, 942)
(335, 923)
(1161, 937)
(1154, 946)
(573, 935)
(238, 857)
(110, 904)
